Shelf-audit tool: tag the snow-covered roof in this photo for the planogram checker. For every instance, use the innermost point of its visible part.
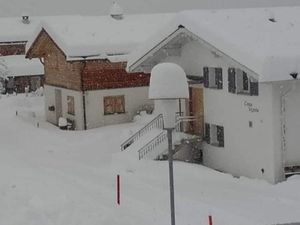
(12, 29)
(102, 36)
(265, 40)
(18, 65)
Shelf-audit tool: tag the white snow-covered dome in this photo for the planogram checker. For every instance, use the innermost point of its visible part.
(116, 11)
(168, 81)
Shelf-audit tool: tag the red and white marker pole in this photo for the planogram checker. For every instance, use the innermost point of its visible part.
(210, 220)
(118, 189)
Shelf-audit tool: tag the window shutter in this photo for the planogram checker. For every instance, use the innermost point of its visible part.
(254, 88)
(245, 81)
(207, 133)
(220, 135)
(219, 78)
(205, 77)
(231, 80)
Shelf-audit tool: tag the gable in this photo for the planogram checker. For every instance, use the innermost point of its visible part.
(42, 46)
(173, 47)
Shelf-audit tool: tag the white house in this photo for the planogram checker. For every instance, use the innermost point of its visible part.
(249, 60)
(85, 59)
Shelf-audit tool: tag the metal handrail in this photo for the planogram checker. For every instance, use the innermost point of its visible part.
(161, 137)
(157, 122)
(150, 146)
(182, 119)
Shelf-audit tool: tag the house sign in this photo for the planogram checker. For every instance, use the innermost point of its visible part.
(251, 107)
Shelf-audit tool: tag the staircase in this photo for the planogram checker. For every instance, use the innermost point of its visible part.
(157, 123)
(157, 147)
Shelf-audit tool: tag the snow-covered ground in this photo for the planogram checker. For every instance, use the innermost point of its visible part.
(54, 177)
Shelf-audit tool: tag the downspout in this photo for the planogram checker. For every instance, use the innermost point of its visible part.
(283, 97)
(83, 95)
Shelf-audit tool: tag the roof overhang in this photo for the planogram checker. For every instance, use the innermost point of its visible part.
(139, 64)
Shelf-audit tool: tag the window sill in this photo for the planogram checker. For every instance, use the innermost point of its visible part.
(216, 145)
(114, 114)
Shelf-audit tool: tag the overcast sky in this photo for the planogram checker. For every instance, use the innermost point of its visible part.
(101, 7)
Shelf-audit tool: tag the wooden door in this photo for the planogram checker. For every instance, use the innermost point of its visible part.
(196, 109)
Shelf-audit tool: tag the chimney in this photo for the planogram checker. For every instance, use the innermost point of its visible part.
(116, 11)
(25, 18)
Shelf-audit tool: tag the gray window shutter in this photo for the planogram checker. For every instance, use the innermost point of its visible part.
(254, 88)
(207, 133)
(219, 78)
(205, 77)
(231, 80)
(220, 135)
(245, 81)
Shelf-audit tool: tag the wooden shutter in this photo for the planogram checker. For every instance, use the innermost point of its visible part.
(231, 80)
(120, 104)
(245, 81)
(219, 78)
(220, 135)
(254, 88)
(205, 77)
(207, 133)
(109, 105)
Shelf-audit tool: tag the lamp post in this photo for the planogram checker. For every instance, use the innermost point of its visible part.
(168, 83)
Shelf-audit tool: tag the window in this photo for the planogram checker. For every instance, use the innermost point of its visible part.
(214, 135)
(241, 83)
(114, 104)
(71, 105)
(212, 77)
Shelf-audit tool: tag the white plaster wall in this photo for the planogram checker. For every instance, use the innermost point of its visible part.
(135, 98)
(247, 150)
(291, 156)
(50, 100)
(49, 93)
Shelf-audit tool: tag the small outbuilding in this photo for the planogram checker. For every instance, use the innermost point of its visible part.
(18, 73)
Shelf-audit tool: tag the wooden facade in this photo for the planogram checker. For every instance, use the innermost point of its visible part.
(12, 48)
(82, 75)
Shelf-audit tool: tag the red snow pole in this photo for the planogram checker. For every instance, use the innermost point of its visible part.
(118, 189)
(210, 220)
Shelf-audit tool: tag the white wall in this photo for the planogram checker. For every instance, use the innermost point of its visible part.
(291, 90)
(50, 100)
(247, 150)
(135, 98)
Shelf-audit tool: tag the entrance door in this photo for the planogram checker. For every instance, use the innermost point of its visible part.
(293, 128)
(196, 109)
(58, 104)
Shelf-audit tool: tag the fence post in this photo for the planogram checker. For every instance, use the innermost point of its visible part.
(118, 189)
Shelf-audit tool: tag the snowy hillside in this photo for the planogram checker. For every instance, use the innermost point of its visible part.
(101, 7)
(49, 176)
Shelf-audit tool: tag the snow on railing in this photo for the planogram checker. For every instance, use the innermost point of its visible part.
(157, 122)
(155, 143)
(152, 145)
